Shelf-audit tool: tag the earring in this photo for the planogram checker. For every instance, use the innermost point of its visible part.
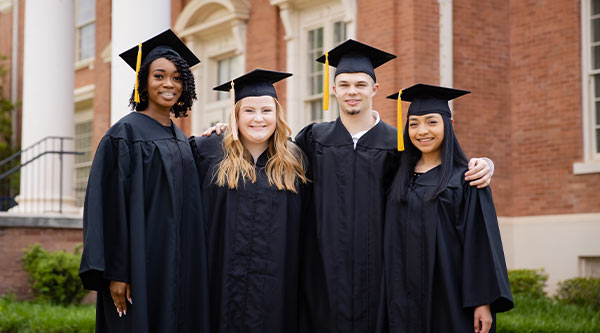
(180, 103)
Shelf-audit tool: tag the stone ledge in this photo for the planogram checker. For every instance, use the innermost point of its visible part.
(59, 221)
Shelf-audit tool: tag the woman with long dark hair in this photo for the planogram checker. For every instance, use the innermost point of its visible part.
(444, 266)
(252, 180)
(144, 248)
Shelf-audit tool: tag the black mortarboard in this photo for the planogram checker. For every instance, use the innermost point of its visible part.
(258, 82)
(424, 99)
(352, 57)
(355, 57)
(154, 48)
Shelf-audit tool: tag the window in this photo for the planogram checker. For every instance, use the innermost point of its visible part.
(85, 29)
(83, 144)
(589, 267)
(595, 72)
(317, 44)
(227, 69)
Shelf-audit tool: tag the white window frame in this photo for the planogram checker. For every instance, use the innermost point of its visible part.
(84, 113)
(327, 23)
(80, 63)
(591, 156)
(298, 17)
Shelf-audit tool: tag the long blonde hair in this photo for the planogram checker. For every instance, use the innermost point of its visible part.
(285, 164)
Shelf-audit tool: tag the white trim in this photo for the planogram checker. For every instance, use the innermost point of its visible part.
(558, 218)
(591, 159)
(87, 62)
(446, 43)
(5, 6)
(83, 93)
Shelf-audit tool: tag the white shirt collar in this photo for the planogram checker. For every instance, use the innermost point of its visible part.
(358, 135)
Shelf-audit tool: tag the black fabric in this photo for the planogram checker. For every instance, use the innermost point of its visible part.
(159, 46)
(258, 82)
(443, 257)
(143, 225)
(253, 247)
(352, 56)
(427, 99)
(342, 238)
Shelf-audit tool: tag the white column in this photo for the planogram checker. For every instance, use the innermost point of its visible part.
(48, 77)
(133, 21)
(446, 40)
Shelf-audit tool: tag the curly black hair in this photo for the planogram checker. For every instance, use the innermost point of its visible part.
(188, 95)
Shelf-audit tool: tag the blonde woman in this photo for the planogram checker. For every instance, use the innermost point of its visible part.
(252, 179)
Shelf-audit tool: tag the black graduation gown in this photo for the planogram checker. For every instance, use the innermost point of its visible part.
(443, 257)
(342, 241)
(142, 224)
(253, 234)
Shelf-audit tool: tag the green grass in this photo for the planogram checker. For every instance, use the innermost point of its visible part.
(31, 316)
(544, 315)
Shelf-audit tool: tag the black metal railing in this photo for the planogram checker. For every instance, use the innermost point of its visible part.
(38, 171)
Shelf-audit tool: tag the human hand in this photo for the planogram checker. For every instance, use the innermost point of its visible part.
(482, 319)
(118, 292)
(479, 173)
(218, 129)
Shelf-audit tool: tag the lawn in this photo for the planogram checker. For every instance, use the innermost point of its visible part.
(544, 315)
(31, 316)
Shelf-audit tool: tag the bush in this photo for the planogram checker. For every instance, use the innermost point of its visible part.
(528, 282)
(43, 317)
(580, 291)
(54, 276)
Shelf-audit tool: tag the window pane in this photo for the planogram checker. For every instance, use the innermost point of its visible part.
(597, 85)
(339, 32)
(598, 113)
(86, 41)
(595, 30)
(86, 11)
(316, 110)
(596, 57)
(597, 140)
(595, 7)
(227, 69)
(315, 70)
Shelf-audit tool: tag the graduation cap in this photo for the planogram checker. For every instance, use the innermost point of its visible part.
(352, 57)
(258, 82)
(154, 48)
(424, 99)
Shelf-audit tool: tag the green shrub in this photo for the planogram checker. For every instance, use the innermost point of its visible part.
(54, 276)
(580, 291)
(528, 282)
(43, 317)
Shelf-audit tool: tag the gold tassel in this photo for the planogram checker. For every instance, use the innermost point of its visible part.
(400, 127)
(138, 64)
(232, 118)
(326, 84)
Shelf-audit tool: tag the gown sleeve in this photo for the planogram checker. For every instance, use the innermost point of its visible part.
(485, 279)
(304, 139)
(105, 217)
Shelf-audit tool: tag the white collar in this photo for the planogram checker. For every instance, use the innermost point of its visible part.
(358, 135)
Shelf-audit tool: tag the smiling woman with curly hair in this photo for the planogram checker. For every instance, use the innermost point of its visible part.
(144, 248)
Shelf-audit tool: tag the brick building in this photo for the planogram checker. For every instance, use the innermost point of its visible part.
(532, 67)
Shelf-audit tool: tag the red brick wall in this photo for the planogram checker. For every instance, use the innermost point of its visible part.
(481, 62)
(14, 240)
(101, 72)
(546, 132)
(265, 45)
(409, 29)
